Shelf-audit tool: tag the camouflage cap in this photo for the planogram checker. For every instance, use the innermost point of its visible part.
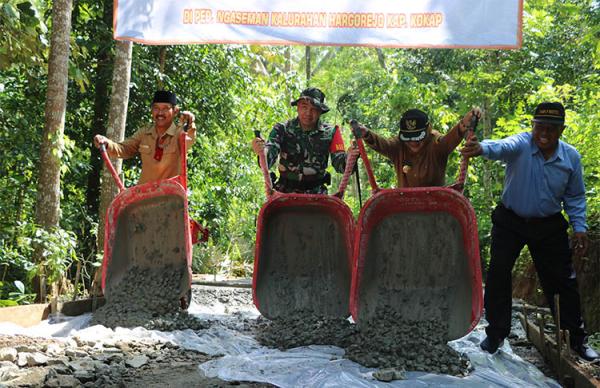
(413, 125)
(315, 96)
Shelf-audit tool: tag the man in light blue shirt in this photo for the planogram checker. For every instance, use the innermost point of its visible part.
(543, 177)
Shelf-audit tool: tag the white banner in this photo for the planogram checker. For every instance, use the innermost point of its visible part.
(491, 24)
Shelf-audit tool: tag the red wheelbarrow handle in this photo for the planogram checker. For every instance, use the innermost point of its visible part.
(363, 154)
(464, 161)
(262, 161)
(350, 163)
(110, 167)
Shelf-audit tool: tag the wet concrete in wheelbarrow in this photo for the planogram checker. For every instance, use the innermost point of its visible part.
(415, 265)
(304, 263)
(147, 271)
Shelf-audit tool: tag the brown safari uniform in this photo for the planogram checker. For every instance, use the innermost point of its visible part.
(155, 166)
(427, 167)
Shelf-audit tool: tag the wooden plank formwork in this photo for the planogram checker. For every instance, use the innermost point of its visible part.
(559, 357)
(33, 314)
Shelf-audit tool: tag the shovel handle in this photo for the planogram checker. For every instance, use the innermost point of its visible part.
(262, 161)
(350, 163)
(363, 154)
(183, 147)
(464, 161)
(110, 167)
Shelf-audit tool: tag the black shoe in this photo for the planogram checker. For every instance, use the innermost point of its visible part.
(491, 344)
(586, 352)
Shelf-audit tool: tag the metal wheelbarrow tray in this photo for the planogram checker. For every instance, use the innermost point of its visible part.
(303, 256)
(417, 253)
(303, 252)
(147, 227)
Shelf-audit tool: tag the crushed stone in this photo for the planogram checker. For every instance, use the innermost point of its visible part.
(147, 298)
(304, 329)
(386, 342)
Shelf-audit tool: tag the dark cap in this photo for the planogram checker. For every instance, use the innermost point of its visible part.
(164, 96)
(549, 112)
(315, 96)
(413, 125)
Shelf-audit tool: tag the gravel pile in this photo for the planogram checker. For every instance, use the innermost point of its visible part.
(147, 298)
(387, 342)
(303, 329)
(230, 297)
(77, 363)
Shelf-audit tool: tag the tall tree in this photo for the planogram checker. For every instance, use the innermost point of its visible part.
(48, 188)
(115, 130)
(308, 60)
(117, 116)
(104, 58)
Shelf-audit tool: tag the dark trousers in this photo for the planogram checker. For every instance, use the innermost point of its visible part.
(548, 243)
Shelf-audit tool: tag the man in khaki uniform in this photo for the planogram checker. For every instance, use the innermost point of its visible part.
(158, 143)
(419, 154)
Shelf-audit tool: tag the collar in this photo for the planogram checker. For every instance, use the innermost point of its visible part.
(171, 131)
(559, 153)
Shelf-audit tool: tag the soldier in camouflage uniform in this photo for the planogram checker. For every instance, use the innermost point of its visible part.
(304, 145)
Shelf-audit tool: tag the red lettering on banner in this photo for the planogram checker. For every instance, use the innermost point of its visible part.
(197, 16)
(246, 18)
(356, 20)
(396, 20)
(203, 16)
(298, 19)
(426, 20)
(188, 16)
(314, 19)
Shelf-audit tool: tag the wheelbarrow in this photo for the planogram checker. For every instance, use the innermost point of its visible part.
(416, 253)
(147, 226)
(303, 252)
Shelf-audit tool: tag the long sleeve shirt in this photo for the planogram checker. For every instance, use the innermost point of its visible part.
(144, 142)
(305, 153)
(535, 187)
(425, 168)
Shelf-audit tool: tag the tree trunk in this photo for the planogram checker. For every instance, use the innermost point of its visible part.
(381, 58)
(307, 65)
(103, 74)
(162, 59)
(588, 280)
(288, 59)
(115, 131)
(47, 213)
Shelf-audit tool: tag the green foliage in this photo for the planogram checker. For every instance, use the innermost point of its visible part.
(58, 252)
(594, 341)
(24, 40)
(234, 90)
(17, 296)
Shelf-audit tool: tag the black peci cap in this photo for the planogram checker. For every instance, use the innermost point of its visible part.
(413, 125)
(165, 96)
